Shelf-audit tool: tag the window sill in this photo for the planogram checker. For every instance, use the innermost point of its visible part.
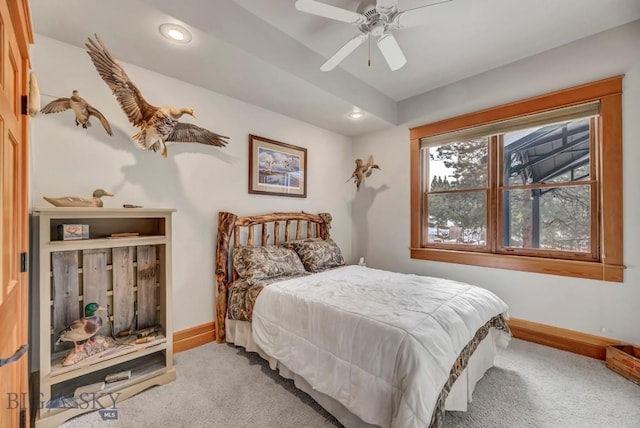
(573, 268)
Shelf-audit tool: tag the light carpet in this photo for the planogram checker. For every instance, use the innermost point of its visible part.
(530, 386)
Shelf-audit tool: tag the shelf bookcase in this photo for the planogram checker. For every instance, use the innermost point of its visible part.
(131, 275)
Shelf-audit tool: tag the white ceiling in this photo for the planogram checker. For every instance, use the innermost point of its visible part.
(267, 53)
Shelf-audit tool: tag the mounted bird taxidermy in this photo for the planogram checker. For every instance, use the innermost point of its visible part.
(80, 107)
(84, 328)
(75, 201)
(363, 170)
(159, 126)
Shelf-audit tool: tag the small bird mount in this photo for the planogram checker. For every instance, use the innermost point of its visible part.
(81, 108)
(363, 170)
(85, 330)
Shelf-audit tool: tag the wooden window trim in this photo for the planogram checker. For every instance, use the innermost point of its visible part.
(567, 255)
(609, 175)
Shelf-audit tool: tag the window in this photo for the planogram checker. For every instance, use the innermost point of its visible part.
(534, 185)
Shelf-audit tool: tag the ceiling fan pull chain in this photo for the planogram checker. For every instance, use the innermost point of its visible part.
(369, 63)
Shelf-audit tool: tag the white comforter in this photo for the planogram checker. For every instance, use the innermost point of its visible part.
(381, 343)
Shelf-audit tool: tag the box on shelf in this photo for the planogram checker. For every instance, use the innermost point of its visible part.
(625, 360)
(68, 232)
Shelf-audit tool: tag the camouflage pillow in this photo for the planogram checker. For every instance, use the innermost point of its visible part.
(258, 263)
(317, 254)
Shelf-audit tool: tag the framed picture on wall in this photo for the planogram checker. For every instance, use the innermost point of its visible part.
(277, 168)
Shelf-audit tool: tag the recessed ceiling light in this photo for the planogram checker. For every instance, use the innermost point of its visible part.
(355, 115)
(175, 33)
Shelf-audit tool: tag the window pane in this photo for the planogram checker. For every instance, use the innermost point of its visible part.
(552, 218)
(457, 218)
(557, 153)
(460, 165)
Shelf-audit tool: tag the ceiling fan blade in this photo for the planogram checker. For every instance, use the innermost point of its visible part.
(325, 10)
(418, 16)
(343, 52)
(391, 51)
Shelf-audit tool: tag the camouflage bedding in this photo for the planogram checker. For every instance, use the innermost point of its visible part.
(497, 322)
(405, 337)
(243, 295)
(258, 267)
(255, 264)
(242, 298)
(317, 254)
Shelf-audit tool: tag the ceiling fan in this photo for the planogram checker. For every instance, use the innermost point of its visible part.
(373, 18)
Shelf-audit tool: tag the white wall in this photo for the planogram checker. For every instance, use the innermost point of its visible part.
(197, 180)
(381, 229)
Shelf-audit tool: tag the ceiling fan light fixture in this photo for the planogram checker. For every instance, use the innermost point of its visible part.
(355, 115)
(175, 33)
(387, 7)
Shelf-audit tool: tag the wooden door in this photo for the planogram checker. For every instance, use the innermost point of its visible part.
(15, 36)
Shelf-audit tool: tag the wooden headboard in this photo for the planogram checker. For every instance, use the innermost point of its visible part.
(258, 230)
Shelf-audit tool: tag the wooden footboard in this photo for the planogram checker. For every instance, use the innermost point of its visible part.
(260, 230)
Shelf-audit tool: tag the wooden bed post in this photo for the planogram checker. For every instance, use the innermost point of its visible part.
(326, 218)
(226, 221)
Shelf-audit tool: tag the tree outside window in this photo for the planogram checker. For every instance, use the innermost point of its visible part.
(526, 186)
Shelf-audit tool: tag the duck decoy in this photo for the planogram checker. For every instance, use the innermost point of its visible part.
(84, 328)
(80, 107)
(75, 201)
(158, 125)
(363, 170)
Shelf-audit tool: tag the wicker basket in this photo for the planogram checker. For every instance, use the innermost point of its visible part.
(625, 360)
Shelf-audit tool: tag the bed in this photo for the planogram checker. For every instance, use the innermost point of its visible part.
(374, 348)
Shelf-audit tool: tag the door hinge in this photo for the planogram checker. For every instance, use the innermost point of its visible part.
(24, 105)
(23, 261)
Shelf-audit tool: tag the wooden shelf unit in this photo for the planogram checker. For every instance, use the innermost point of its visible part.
(132, 275)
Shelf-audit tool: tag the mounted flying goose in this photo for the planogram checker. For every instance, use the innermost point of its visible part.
(158, 125)
(80, 107)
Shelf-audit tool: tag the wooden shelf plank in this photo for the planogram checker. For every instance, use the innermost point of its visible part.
(93, 212)
(82, 244)
(91, 364)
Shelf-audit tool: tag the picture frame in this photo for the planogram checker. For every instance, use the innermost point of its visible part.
(277, 168)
